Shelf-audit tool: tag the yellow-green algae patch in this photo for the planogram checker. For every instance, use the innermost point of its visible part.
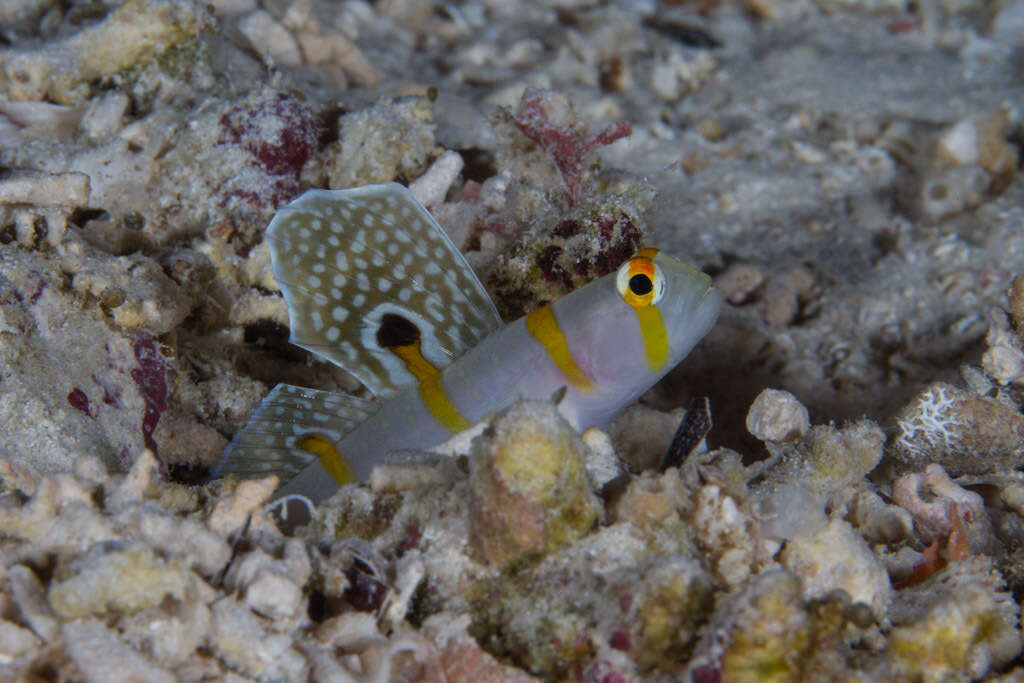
(529, 492)
(958, 622)
(769, 641)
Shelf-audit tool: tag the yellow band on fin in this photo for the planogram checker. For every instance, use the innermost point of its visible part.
(436, 399)
(431, 390)
(544, 328)
(330, 459)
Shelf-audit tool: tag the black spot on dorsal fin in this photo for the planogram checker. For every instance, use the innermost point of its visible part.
(396, 330)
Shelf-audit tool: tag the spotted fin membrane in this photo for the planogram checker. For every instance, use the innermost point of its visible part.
(347, 259)
(369, 278)
(281, 437)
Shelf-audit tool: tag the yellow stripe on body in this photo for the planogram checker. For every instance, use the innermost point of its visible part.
(330, 459)
(431, 391)
(543, 326)
(652, 329)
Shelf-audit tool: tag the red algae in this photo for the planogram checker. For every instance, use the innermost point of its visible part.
(566, 145)
(280, 133)
(78, 399)
(150, 378)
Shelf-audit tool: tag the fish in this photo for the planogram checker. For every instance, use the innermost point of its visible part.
(374, 285)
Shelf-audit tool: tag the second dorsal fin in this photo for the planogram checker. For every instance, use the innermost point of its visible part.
(374, 285)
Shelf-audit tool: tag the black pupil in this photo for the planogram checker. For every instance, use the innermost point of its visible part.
(640, 284)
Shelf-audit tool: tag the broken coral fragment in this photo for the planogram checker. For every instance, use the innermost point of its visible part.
(99, 653)
(981, 140)
(940, 507)
(116, 579)
(46, 189)
(246, 643)
(727, 533)
(62, 72)
(1003, 361)
(529, 489)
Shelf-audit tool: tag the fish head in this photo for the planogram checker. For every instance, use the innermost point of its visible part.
(631, 327)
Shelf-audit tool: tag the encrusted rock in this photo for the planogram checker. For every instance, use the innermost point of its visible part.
(529, 491)
(389, 140)
(607, 588)
(762, 628)
(957, 625)
(838, 557)
(964, 433)
(827, 459)
(727, 533)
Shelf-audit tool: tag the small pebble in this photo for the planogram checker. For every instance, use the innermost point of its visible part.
(777, 416)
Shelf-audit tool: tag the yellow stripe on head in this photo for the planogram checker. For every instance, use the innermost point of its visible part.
(642, 285)
(652, 328)
(322, 447)
(543, 326)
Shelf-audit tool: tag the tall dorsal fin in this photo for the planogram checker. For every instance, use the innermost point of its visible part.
(368, 272)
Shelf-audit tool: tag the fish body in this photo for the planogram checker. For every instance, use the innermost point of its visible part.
(417, 328)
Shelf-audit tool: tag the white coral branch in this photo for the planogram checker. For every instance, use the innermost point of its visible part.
(934, 418)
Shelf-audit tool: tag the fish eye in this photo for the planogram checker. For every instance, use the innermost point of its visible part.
(640, 281)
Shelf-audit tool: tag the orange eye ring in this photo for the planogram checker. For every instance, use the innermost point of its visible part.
(640, 281)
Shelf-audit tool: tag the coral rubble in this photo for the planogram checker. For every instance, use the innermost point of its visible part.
(847, 171)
